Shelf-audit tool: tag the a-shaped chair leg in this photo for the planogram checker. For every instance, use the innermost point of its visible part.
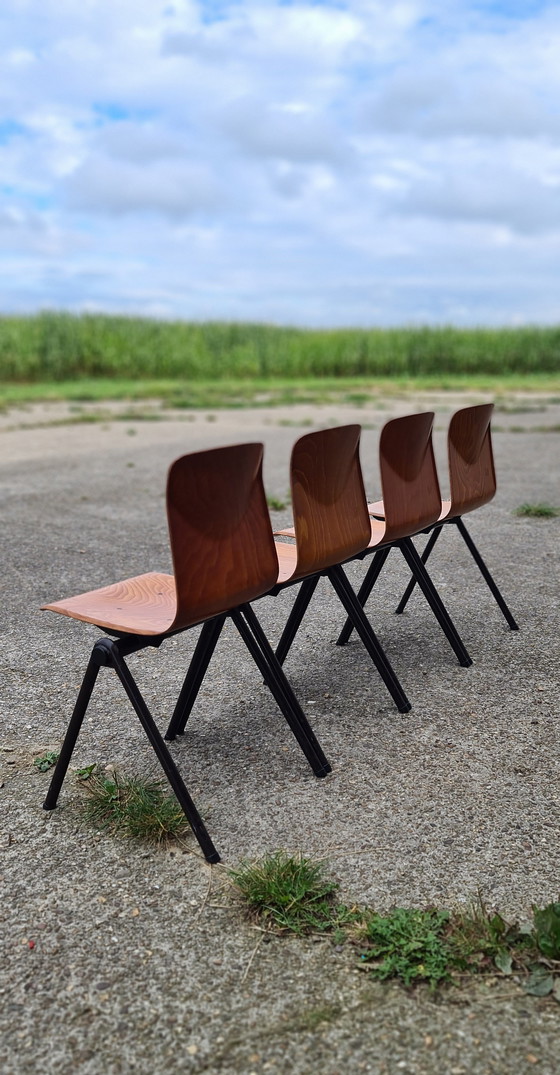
(271, 670)
(299, 608)
(368, 583)
(205, 646)
(496, 594)
(430, 593)
(362, 625)
(485, 573)
(424, 557)
(106, 652)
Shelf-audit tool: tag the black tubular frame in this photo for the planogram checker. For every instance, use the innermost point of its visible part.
(357, 619)
(496, 594)
(110, 652)
(425, 583)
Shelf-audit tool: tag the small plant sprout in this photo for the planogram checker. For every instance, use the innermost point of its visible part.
(86, 771)
(46, 761)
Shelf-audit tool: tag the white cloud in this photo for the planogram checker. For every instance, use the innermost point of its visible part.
(307, 162)
(175, 190)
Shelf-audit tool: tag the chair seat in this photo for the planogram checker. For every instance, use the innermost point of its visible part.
(287, 560)
(143, 605)
(377, 532)
(377, 509)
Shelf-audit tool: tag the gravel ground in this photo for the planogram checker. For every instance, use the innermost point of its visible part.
(141, 962)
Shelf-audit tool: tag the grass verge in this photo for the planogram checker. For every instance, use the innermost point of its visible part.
(254, 392)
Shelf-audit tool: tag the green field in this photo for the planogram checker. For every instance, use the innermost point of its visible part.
(59, 355)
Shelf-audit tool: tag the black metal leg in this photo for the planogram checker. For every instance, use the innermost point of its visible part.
(437, 606)
(425, 554)
(88, 683)
(373, 572)
(166, 761)
(271, 670)
(368, 637)
(205, 646)
(299, 608)
(485, 573)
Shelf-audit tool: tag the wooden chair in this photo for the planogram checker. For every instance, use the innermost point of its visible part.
(412, 501)
(472, 481)
(331, 525)
(224, 556)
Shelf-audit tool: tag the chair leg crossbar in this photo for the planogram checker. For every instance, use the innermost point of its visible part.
(357, 619)
(421, 576)
(496, 594)
(110, 653)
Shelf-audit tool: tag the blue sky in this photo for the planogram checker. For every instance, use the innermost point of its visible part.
(344, 162)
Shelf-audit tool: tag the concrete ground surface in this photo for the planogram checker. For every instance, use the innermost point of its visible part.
(120, 958)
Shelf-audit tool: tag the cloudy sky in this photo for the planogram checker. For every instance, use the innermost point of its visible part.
(329, 162)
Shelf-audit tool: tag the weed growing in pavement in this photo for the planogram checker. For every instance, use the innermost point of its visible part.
(313, 1018)
(547, 930)
(537, 511)
(46, 761)
(408, 944)
(275, 504)
(131, 806)
(290, 893)
(86, 771)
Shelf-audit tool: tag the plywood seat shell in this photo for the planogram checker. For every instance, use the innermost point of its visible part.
(142, 605)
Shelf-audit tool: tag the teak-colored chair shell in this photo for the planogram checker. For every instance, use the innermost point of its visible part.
(472, 483)
(412, 501)
(224, 556)
(331, 527)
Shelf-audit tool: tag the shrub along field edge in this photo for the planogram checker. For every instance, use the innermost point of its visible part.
(56, 347)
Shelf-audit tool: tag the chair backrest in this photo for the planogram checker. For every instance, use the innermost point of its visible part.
(219, 526)
(331, 518)
(409, 481)
(472, 477)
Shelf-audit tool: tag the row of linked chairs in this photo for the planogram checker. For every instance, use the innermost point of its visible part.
(226, 556)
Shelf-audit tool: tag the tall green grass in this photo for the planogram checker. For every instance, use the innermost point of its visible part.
(54, 346)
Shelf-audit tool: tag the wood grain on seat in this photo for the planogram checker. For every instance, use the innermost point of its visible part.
(144, 605)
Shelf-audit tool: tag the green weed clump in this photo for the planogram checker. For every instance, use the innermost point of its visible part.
(133, 807)
(276, 504)
(46, 761)
(537, 511)
(408, 944)
(290, 893)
